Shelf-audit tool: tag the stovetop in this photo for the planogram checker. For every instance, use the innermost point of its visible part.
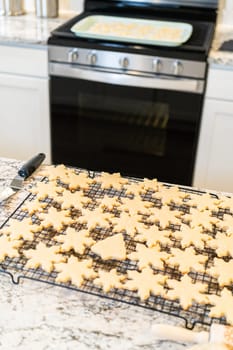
(196, 48)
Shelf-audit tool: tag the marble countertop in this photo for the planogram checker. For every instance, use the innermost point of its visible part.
(36, 315)
(223, 33)
(29, 29)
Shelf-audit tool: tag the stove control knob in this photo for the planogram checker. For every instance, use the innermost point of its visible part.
(177, 68)
(92, 58)
(73, 55)
(157, 65)
(124, 62)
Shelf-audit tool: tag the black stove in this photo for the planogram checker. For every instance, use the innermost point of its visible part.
(128, 106)
(201, 18)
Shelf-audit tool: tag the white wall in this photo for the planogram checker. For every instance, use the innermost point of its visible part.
(64, 5)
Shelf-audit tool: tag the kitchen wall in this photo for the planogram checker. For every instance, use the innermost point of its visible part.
(64, 5)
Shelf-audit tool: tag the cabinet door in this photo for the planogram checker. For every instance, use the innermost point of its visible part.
(214, 163)
(24, 117)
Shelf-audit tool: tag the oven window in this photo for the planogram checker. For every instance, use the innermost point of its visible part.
(134, 130)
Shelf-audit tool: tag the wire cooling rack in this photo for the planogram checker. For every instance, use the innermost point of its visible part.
(15, 267)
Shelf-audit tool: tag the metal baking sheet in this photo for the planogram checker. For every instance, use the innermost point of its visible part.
(132, 30)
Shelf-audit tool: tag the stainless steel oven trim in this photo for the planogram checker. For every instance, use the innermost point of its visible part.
(109, 60)
(192, 3)
(145, 81)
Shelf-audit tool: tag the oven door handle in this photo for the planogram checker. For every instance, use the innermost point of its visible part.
(113, 78)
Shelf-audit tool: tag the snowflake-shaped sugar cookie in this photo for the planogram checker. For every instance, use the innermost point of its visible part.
(44, 190)
(222, 270)
(152, 235)
(70, 199)
(43, 256)
(226, 203)
(135, 206)
(203, 202)
(75, 271)
(150, 184)
(223, 305)
(94, 218)
(145, 283)
(165, 216)
(21, 229)
(54, 172)
(135, 189)
(114, 180)
(201, 218)
(187, 260)
(55, 218)
(148, 256)
(108, 202)
(226, 224)
(8, 247)
(127, 223)
(33, 206)
(222, 244)
(186, 291)
(76, 240)
(169, 194)
(108, 280)
(189, 236)
(78, 181)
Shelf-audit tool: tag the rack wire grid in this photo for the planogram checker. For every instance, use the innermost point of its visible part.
(197, 313)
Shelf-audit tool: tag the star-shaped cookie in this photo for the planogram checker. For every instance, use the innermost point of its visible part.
(43, 256)
(75, 271)
(145, 283)
(76, 240)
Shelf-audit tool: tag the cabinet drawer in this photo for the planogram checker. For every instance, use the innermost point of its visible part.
(220, 84)
(24, 61)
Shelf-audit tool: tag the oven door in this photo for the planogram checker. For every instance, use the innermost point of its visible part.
(142, 126)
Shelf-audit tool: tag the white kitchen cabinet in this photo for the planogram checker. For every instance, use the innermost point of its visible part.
(24, 102)
(214, 162)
